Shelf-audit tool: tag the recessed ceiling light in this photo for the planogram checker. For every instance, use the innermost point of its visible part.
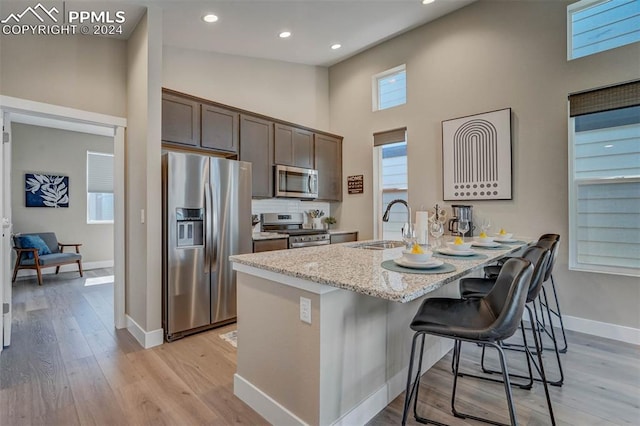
(210, 18)
(285, 34)
(427, 1)
(608, 146)
(336, 46)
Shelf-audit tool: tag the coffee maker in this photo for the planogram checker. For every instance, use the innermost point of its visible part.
(461, 212)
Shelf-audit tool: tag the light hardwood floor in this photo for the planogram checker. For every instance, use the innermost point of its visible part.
(67, 365)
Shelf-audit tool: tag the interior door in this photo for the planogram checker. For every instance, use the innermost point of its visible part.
(5, 246)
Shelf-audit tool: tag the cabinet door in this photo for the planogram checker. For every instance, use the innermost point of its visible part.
(283, 145)
(256, 147)
(180, 120)
(303, 148)
(328, 162)
(269, 245)
(219, 128)
(344, 238)
(293, 146)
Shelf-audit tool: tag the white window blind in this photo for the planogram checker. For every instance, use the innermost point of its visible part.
(390, 88)
(99, 172)
(605, 182)
(100, 201)
(597, 25)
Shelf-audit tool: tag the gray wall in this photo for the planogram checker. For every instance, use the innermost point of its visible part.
(487, 56)
(292, 92)
(59, 152)
(87, 73)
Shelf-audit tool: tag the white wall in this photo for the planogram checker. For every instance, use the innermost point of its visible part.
(59, 152)
(487, 56)
(283, 90)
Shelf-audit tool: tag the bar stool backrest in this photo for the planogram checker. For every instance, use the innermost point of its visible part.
(539, 258)
(508, 296)
(552, 246)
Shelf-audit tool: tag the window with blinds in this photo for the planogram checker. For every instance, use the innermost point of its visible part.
(390, 88)
(597, 25)
(99, 187)
(604, 207)
(391, 181)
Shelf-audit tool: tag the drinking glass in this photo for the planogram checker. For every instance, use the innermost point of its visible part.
(409, 235)
(436, 229)
(463, 227)
(486, 225)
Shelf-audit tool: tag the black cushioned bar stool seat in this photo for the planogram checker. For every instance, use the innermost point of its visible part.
(487, 321)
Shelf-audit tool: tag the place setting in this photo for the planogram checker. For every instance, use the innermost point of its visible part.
(458, 248)
(418, 261)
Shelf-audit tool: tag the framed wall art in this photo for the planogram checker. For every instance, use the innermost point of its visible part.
(476, 157)
(45, 190)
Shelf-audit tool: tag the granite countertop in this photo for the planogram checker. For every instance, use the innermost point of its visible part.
(259, 236)
(344, 266)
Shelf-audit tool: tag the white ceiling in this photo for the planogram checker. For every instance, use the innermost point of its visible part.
(251, 27)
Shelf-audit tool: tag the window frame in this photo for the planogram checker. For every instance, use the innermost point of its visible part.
(378, 187)
(89, 220)
(573, 185)
(375, 87)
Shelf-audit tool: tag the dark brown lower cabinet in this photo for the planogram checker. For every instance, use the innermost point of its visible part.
(269, 245)
(344, 238)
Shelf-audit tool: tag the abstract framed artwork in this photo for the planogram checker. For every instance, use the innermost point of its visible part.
(45, 190)
(476, 157)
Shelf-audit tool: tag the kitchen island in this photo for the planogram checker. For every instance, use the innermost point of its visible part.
(348, 358)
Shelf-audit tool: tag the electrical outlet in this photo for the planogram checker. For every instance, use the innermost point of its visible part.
(305, 310)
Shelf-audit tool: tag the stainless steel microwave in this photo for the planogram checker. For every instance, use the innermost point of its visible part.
(296, 182)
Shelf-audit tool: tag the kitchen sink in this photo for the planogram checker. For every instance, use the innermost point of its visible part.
(378, 245)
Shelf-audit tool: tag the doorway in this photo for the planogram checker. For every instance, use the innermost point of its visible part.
(40, 114)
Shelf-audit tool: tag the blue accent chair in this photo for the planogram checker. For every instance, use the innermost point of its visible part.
(32, 258)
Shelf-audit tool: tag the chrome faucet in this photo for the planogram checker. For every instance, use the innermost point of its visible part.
(385, 217)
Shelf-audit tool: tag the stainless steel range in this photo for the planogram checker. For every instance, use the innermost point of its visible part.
(291, 224)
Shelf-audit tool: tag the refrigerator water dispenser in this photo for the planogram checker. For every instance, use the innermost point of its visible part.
(190, 230)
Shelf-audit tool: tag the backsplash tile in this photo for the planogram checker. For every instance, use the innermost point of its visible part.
(284, 205)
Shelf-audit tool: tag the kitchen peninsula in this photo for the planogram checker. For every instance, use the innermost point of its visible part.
(323, 332)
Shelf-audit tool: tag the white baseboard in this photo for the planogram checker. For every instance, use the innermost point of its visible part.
(595, 328)
(72, 267)
(147, 339)
(263, 404)
(367, 409)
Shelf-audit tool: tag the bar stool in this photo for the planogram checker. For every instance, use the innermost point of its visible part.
(540, 257)
(485, 321)
(493, 270)
(557, 312)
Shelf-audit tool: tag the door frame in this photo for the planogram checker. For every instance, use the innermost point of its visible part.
(87, 122)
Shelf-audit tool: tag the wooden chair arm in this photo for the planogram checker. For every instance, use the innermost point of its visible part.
(19, 252)
(62, 246)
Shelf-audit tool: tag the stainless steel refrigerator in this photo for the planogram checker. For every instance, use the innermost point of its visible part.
(206, 218)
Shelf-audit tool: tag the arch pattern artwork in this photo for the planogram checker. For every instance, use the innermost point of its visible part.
(477, 156)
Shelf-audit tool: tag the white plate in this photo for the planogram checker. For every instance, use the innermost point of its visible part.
(456, 252)
(491, 244)
(431, 263)
(505, 240)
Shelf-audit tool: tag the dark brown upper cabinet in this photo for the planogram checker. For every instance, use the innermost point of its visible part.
(328, 162)
(293, 146)
(219, 129)
(180, 120)
(256, 147)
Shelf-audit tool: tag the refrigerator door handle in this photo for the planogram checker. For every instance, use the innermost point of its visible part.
(214, 231)
(208, 212)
